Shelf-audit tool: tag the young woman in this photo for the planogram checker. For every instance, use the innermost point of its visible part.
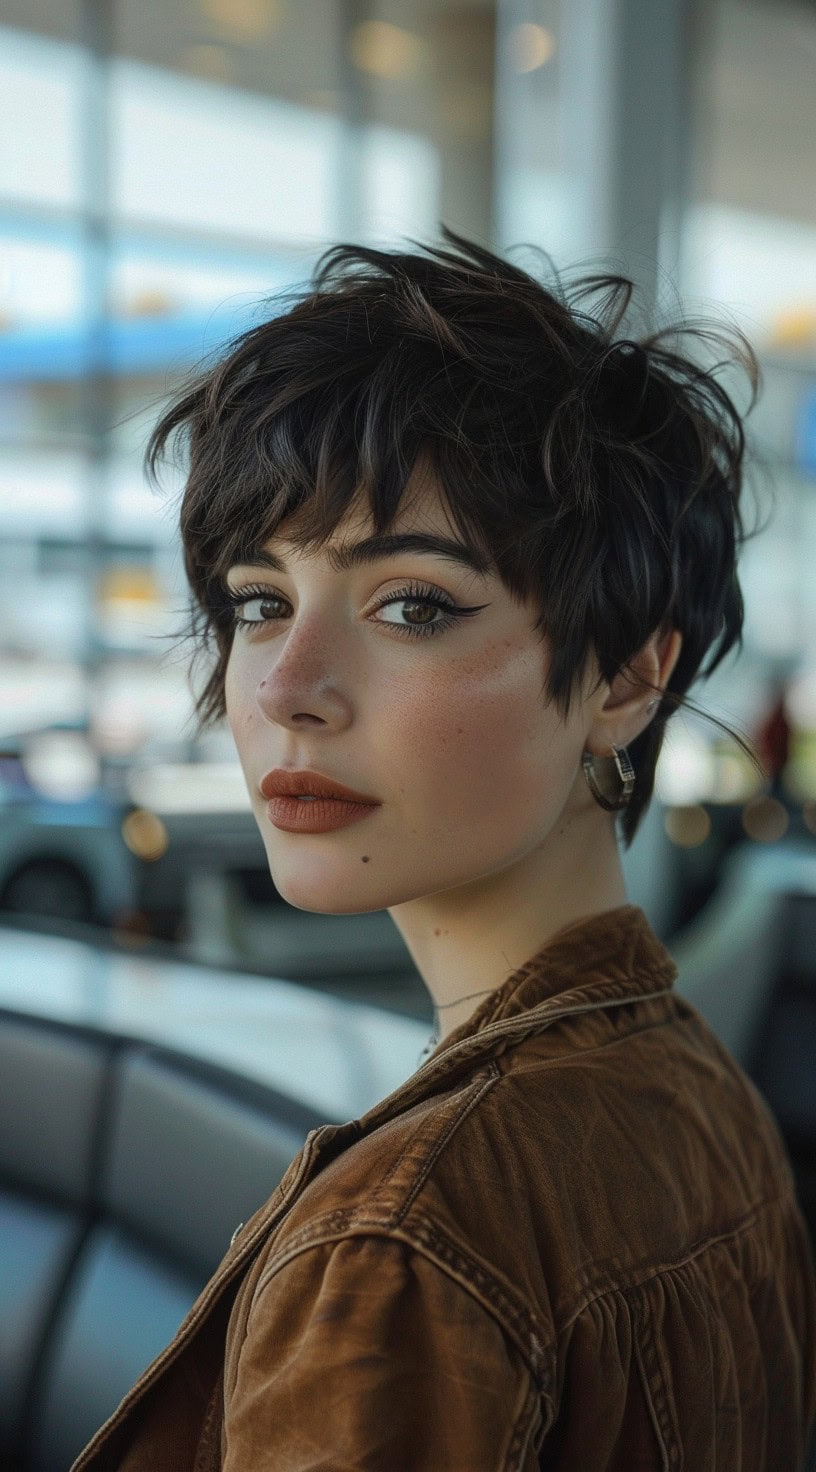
(457, 551)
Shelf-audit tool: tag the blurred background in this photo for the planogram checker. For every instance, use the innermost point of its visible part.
(164, 167)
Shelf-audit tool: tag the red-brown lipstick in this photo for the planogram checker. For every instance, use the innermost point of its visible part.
(335, 805)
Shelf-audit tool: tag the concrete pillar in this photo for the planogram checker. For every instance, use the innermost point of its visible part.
(621, 157)
(625, 128)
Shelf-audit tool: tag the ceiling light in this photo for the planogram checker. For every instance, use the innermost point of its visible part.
(251, 20)
(530, 47)
(385, 50)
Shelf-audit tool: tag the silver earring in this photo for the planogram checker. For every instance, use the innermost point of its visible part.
(626, 773)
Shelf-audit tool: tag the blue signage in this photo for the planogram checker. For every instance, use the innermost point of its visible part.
(804, 434)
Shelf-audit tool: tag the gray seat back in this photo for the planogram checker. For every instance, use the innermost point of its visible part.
(728, 957)
(124, 1171)
(51, 1088)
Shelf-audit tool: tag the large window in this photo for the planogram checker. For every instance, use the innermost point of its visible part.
(164, 172)
(749, 252)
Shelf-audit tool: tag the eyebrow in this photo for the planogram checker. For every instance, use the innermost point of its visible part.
(371, 549)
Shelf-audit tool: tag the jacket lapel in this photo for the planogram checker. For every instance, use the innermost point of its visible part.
(484, 1037)
(211, 1309)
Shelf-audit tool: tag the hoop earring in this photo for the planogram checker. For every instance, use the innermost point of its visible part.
(626, 773)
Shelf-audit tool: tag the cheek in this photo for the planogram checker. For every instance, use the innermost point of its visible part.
(242, 718)
(482, 731)
(237, 695)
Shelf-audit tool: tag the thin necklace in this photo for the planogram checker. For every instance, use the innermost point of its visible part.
(434, 1038)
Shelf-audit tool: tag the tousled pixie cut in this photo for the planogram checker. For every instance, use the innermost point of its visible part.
(598, 475)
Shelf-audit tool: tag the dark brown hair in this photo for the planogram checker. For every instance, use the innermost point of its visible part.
(598, 475)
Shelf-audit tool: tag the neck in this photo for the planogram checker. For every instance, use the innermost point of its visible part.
(465, 941)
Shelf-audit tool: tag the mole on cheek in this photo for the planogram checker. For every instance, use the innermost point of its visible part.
(366, 858)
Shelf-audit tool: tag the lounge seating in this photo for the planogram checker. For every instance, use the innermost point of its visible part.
(125, 1166)
(124, 1170)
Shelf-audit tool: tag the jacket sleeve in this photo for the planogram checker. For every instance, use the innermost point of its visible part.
(363, 1355)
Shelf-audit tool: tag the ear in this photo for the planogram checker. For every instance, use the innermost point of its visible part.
(624, 714)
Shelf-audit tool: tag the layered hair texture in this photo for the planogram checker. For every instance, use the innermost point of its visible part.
(598, 474)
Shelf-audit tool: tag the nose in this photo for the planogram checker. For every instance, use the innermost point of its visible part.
(306, 683)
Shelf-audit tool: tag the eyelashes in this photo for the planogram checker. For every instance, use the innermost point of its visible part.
(414, 593)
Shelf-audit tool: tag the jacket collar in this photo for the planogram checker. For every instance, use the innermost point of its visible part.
(603, 960)
(600, 953)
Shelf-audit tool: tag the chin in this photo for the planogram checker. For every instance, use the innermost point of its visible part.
(324, 895)
(324, 886)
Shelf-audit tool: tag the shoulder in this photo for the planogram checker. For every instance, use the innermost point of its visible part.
(587, 1221)
(393, 1208)
(364, 1342)
(552, 1173)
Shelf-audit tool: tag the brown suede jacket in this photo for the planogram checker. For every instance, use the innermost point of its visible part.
(569, 1241)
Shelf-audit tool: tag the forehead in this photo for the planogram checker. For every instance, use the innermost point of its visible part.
(422, 507)
(422, 524)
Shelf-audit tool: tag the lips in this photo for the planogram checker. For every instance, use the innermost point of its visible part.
(286, 782)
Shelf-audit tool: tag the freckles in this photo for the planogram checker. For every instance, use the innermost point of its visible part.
(496, 687)
(470, 711)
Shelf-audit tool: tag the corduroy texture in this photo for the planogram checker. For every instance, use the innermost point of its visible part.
(571, 1240)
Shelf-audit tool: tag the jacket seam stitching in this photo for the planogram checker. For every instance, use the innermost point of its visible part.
(347, 1215)
(624, 1037)
(536, 1020)
(669, 1267)
(595, 998)
(523, 1429)
(645, 1344)
(608, 989)
(477, 1091)
(515, 1324)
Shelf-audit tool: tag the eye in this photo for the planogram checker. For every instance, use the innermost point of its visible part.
(428, 602)
(233, 599)
(413, 596)
(244, 598)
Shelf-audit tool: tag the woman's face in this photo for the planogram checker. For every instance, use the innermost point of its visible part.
(448, 730)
